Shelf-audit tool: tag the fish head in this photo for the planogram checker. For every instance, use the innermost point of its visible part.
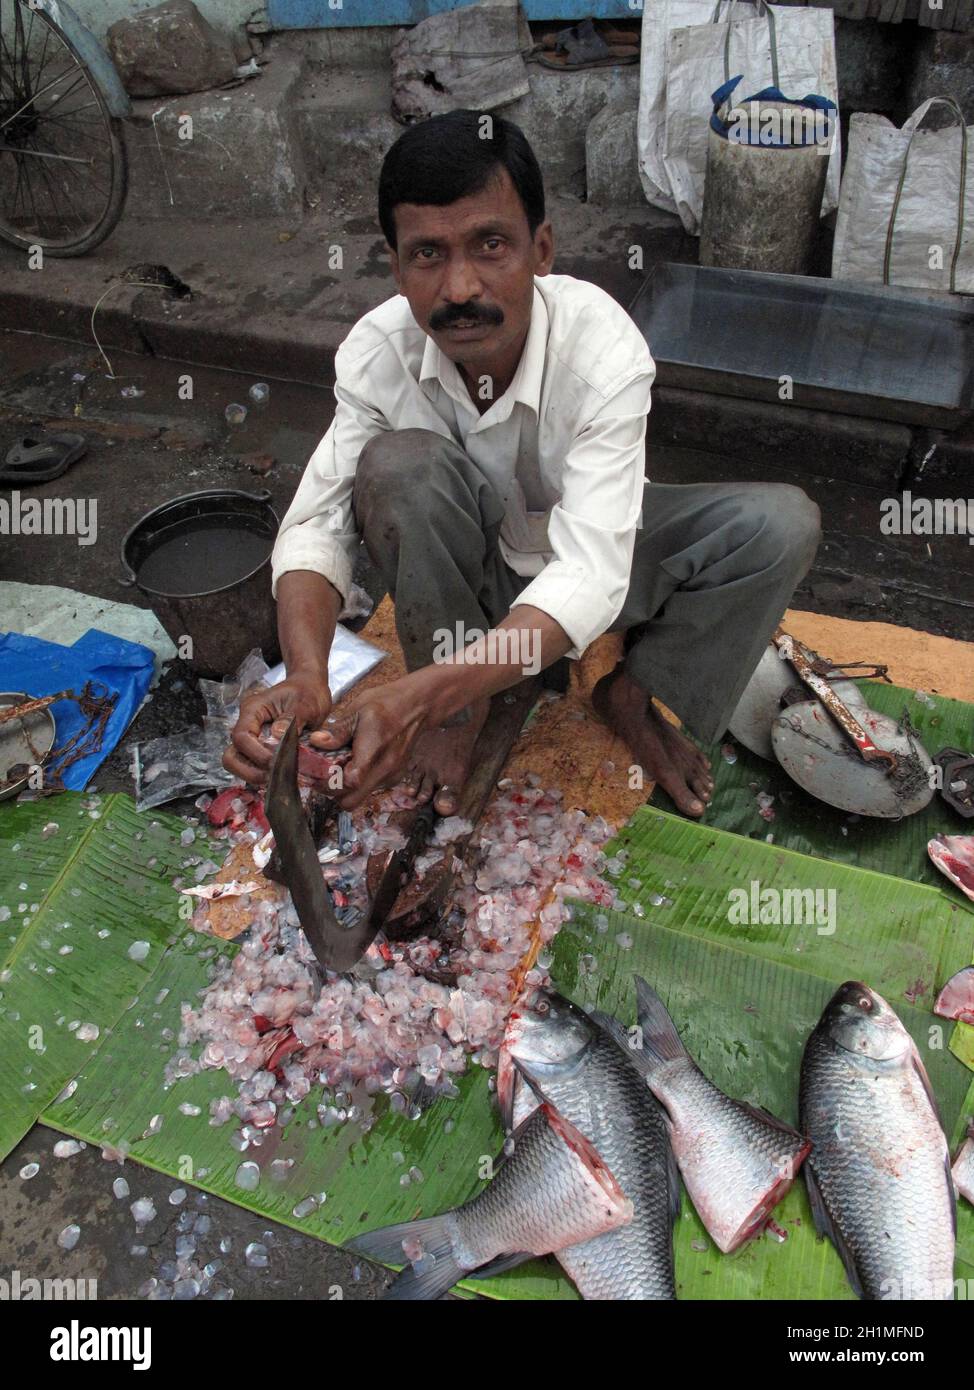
(549, 1036)
(861, 1022)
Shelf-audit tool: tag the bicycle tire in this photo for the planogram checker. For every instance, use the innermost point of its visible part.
(119, 181)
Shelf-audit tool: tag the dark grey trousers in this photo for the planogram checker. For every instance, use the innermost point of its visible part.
(714, 568)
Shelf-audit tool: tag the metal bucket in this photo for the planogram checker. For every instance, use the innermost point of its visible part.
(203, 562)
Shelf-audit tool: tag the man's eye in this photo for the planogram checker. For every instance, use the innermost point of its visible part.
(426, 253)
(493, 243)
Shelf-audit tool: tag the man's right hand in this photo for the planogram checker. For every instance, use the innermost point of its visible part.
(302, 697)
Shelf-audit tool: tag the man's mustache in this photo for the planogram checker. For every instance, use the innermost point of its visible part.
(470, 312)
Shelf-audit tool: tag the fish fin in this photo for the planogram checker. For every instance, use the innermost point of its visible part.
(424, 1286)
(423, 1094)
(621, 1035)
(660, 1039)
(825, 1226)
(501, 1264)
(385, 1243)
(759, 1113)
(952, 1193)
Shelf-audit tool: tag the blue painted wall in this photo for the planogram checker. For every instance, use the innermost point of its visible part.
(331, 14)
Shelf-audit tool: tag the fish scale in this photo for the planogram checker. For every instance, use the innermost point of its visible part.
(880, 1165)
(605, 1099)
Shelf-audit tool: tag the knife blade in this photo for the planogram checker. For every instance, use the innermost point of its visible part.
(336, 948)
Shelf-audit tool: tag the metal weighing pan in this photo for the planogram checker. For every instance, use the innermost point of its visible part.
(816, 754)
(23, 741)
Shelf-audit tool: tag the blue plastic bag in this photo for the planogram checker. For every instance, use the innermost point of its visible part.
(113, 665)
(821, 109)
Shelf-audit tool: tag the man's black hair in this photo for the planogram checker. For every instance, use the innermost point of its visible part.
(452, 156)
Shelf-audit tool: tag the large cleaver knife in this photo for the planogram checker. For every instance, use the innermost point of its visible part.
(336, 947)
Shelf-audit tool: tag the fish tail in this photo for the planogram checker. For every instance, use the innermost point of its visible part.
(661, 1042)
(434, 1276)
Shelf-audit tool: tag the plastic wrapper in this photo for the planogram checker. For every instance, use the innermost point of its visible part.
(350, 659)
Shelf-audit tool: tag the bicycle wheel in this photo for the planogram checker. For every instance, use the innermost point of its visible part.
(62, 159)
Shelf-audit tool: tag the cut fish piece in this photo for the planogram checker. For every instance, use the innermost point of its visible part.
(956, 999)
(954, 857)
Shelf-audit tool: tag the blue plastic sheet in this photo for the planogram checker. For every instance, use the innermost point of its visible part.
(113, 665)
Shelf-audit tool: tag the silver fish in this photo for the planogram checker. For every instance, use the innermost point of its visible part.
(553, 1190)
(579, 1068)
(879, 1174)
(737, 1160)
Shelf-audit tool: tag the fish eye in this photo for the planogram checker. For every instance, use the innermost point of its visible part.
(865, 1003)
(543, 1006)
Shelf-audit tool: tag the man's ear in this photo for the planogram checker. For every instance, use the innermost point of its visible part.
(394, 265)
(544, 249)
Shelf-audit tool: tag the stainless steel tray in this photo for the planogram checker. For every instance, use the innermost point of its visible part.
(891, 354)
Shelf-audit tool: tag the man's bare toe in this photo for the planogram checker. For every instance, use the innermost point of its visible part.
(445, 801)
(702, 787)
(682, 797)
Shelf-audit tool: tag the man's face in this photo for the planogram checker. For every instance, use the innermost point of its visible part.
(468, 271)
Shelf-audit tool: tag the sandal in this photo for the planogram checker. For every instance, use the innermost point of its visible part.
(40, 459)
(584, 45)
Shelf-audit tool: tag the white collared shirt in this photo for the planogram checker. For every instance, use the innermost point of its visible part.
(563, 446)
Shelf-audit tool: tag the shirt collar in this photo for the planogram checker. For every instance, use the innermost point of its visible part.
(528, 378)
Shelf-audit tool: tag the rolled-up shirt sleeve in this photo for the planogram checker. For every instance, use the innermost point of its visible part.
(592, 528)
(318, 531)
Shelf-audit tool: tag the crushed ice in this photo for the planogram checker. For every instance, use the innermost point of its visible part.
(410, 1012)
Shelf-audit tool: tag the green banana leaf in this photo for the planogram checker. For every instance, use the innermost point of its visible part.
(93, 887)
(745, 997)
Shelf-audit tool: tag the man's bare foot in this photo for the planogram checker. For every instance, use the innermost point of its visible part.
(664, 754)
(441, 761)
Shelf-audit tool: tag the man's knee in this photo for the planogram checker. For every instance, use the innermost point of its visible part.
(395, 458)
(393, 470)
(783, 519)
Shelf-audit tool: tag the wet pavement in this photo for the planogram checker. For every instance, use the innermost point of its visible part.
(78, 1191)
(174, 438)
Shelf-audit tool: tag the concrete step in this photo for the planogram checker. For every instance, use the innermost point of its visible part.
(308, 130)
(221, 154)
(277, 295)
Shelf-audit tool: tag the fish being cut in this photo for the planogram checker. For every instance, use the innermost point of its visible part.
(737, 1160)
(578, 1067)
(878, 1176)
(554, 1190)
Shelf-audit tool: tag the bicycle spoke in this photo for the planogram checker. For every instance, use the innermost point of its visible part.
(34, 97)
(56, 128)
(47, 38)
(52, 193)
